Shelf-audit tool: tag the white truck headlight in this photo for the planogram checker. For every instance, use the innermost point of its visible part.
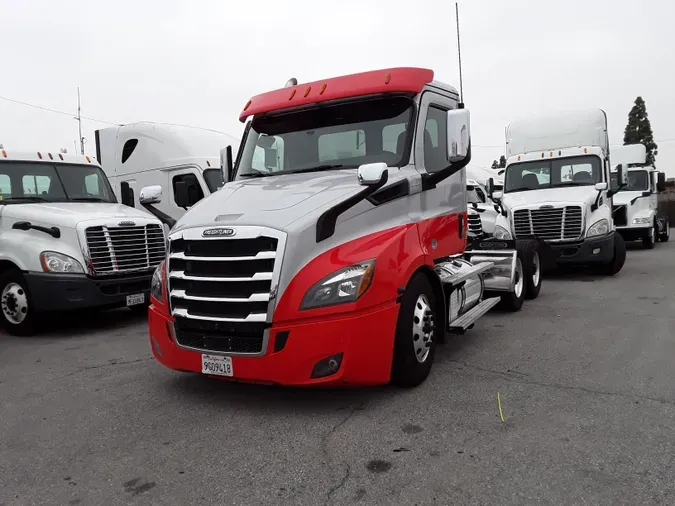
(641, 221)
(156, 285)
(59, 263)
(501, 233)
(600, 227)
(345, 285)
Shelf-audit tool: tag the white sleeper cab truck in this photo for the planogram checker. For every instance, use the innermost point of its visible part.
(485, 209)
(185, 161)
(556, 189)
(65, 242)
(636, 205)
(341, 257)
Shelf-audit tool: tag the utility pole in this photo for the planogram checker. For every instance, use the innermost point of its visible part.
(79, 121)
(459, 53)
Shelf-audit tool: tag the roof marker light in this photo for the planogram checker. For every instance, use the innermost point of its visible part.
(585, 150)
(559, 153)
(248, 104)
(309, 88)
(50, 156)
(551, 153)
(88, 159)
(39, 155)
(4, 153)
(542, 155)
(323, 88)
(518, 157)
(208, 163)
(60, 156)
(387, 78)
(292, 94)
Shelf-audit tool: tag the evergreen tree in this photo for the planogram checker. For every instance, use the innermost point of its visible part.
(502, 162)
(639, 130)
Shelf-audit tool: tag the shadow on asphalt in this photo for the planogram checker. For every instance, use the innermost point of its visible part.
(82, 322)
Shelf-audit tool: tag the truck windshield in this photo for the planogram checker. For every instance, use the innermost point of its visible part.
(214, 179)
(638, 181)
(343, 135)
(561, 172)
(472, 196)
(22, 182)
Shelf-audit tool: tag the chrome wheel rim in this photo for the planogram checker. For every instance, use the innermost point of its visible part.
(423, 327)
(536, 269)
(518, 288)
(14, 303)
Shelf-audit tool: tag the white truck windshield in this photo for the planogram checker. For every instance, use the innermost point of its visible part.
(47, 182)
(638, 181)
(344, 135)
(561, 172)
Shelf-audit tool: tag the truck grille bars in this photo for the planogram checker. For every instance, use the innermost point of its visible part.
(118, 250)
(549, 223)
(221, 287)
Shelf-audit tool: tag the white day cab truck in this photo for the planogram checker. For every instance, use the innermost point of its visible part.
(636, 205)
(186, 161)
(556, 189)
(341, 257)
(65, 242)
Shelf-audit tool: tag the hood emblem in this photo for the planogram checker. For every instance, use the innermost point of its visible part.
(126, 224)
(546, 206)
(218, 232)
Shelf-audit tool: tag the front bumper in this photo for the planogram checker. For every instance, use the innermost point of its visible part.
(366, 341)
(56, 292)
(596, 250)
(633, 233)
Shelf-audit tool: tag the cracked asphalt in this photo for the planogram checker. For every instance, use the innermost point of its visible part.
(585, 375)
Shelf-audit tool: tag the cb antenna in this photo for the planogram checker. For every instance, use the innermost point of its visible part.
(459, 54)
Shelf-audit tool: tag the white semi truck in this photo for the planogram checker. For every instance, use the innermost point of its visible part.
(636, 205)
(186, 161)
(341, 257)
(65, 242)
(556, 188)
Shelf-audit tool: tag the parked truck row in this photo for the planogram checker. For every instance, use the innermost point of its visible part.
(339, 245)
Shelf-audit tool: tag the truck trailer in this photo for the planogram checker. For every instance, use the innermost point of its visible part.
(342, 256)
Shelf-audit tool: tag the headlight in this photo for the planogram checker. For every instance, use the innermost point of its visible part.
(156, 287)
(52, 261)
(641, 221)
(345, 285)
(501, 233)
(600, 227)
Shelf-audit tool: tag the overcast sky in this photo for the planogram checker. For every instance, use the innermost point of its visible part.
(197, 62)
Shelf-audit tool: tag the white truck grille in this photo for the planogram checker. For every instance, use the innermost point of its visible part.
(118, 250)
(220, 291)
(550, 223)
(475, 225)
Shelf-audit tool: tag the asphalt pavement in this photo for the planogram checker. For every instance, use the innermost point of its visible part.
(584, 373)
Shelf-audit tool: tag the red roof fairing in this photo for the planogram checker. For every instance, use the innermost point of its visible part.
(401, 80)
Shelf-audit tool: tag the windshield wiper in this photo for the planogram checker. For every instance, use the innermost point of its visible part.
(318, 168)
(255, 173)
(88, 199)
(24, 199)
(519, 189)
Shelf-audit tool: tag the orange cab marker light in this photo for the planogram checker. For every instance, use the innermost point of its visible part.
(551, 153)
(4, 153)
(542, 155)
(88, 159)
(387, 78)
(323, 88)
(585, 150)
(559, 153)
(307, 91)
(60, 156)
(39, 155)
(208, 163)
(518, 157)
(248, 104)
(292, 95)
(50, 156)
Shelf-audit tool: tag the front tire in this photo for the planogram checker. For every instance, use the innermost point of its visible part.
(665, 236)
(513, 301)
(18, 317)
(416, 334)
(619, 258)
(532, 270)
(649, 240)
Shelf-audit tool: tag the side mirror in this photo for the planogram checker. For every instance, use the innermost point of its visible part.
(459, 134)
(661, 182)
(497, 196)
(601, 187)
(622, 175)
(490, 187)
(187, 194)
(226, 164)
(372, 174)
(151, 195)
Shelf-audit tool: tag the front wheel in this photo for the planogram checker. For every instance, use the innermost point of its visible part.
(618, 259)
(665, 235)
(513, 301)
(532, 273)
(649, 240)
(416, 334)
(17, 316)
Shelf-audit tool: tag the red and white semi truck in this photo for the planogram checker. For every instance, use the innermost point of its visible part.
(337, 252)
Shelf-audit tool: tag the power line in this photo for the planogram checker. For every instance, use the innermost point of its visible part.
(55, 111)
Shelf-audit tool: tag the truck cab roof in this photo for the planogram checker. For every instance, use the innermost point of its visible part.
(47, 157)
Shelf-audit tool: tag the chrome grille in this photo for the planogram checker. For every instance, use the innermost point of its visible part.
(549, 224)
(220, 291)
(475, 225)
(115, 250)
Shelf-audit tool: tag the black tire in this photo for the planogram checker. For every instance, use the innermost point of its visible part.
(649, 240)
(18, 318)
(532, 267)
(618, 260)
(513, 301)
(665, 236)
(418, 299)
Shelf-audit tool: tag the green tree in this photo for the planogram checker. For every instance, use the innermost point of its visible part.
(495, 164)
(639, 130)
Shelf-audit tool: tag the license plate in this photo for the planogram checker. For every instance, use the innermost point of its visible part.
(217, 365)
(136, 299)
